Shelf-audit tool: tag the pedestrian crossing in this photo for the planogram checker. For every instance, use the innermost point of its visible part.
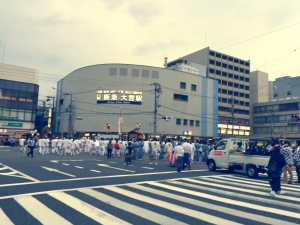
(216, 199)
(295, 178)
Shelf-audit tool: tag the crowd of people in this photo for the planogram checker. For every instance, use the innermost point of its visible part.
(181, 154)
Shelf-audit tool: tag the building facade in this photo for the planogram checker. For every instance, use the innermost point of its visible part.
(18, 100)
(233, 76)
(273, 118)
(285, 87)
(90, 98)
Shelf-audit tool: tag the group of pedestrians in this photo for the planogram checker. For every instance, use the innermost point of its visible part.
(283, 160)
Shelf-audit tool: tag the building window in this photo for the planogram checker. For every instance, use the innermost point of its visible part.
(236, 68)
(289, 93)
(230, 75)
(275, 95)
(242, 70)
(236, 102)
(247, 64)
(247, 104)
(247, 80)
(224, 65)
(236, 60)
(191, 123)
(185, 122)
(230, 59)
(224, 100)
(197, 123)
(218, 63)
(212, 53)
(112, 71)
(230, 84)
(182, 85)
(246, 95)
(211, 70)
(219, 81)
(246, 71)
(242, 86)
(212, 62)
(224, 57)
(224, 74)
(242, 62)
(224, 91)
(236, 85)
(242, 95)
(178, 121)
(219, 90)
(230, 67)
(219, 99)
(224, 82)
(179, 97)
(242, 103)
(236, 93)
(230, 92)
(218, 55)
(236, 77)
(242, 78)
(247, 88)
(194, 87)
(218, 72)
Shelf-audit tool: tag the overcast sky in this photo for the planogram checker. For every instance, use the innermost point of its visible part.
(59, 36)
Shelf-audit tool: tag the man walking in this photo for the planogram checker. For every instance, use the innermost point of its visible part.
(186, 157)
(31, 143)
(197, 151)
(179, 156)
(286, 151)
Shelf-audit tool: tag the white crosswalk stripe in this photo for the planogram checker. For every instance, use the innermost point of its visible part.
(219, 199)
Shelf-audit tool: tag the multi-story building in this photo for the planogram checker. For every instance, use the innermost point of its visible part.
(90, 98)
(232, 74)
(273, 118)
(285, 87)
(18, 100)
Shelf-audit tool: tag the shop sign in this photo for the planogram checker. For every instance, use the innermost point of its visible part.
(3, 131)
(9, 118)
(119, 97)
(11, 124)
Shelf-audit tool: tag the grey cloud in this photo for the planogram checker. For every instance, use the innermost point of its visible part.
(112, 4)
(144, 12)
(147, 48)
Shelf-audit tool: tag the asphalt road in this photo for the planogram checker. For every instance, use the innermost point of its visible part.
(88, 189)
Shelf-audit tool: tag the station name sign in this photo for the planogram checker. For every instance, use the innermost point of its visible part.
(119, 97)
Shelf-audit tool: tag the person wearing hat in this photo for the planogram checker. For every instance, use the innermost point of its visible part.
(297, 159)
(287, 152)
(275, 165)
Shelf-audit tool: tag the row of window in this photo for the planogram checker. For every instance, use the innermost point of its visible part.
(17, 115)
(236, 111)
(234, 93)
(276, 119)
(183, 86)
(227, 66)
(19, 86)
(288, 93)
(180, 97)
(231, 59)
(236, 102)
(277, 130)
(12, 94)
(235, 132)
(277, 108)
(185, 122)
(229, 75)
(134, 72)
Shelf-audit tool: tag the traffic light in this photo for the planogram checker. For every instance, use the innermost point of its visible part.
(107, 126)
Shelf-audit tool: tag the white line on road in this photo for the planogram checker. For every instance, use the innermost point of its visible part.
(4, 150)
(112, 162)
(54, 161)
(57, 171)
(108, 166)
(66, 164)
(79, 167)
(4, 219)
(97, 171)
(3, 168)
(23, 174)
(149, 168)
(99, 177)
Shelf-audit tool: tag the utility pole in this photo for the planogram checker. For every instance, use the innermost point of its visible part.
(157, 93)
(70, 115)
(120, 124)
(52, 114)
(232, 114)
(272, 121)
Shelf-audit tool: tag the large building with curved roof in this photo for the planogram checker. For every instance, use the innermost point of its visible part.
(91, 97)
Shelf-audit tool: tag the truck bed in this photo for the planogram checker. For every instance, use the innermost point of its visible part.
(242, 159)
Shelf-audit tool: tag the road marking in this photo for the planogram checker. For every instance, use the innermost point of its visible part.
(172, 207)
(3, 168)
(79, 167)
(39, 211)
(4, 219)
(149, 168)
(210, 206)
(112, 162)
(116, 168)
(97, 171)
(54, 161)
(229, 201)
(99, 177)
(23, 174)
(57, 171)
(87, 209)
(67, 160)
(4, 150)
(144, 213)
(66, 164)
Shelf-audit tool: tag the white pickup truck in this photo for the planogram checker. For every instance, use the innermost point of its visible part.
(231, 154)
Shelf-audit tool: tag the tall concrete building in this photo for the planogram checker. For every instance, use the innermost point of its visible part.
(285, 87)
(233, 76)
(259, 87)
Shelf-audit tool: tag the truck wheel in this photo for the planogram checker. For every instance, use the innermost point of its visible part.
(252, 171)
(211, 165)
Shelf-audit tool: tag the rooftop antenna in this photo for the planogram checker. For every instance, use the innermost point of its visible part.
(3, 54)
